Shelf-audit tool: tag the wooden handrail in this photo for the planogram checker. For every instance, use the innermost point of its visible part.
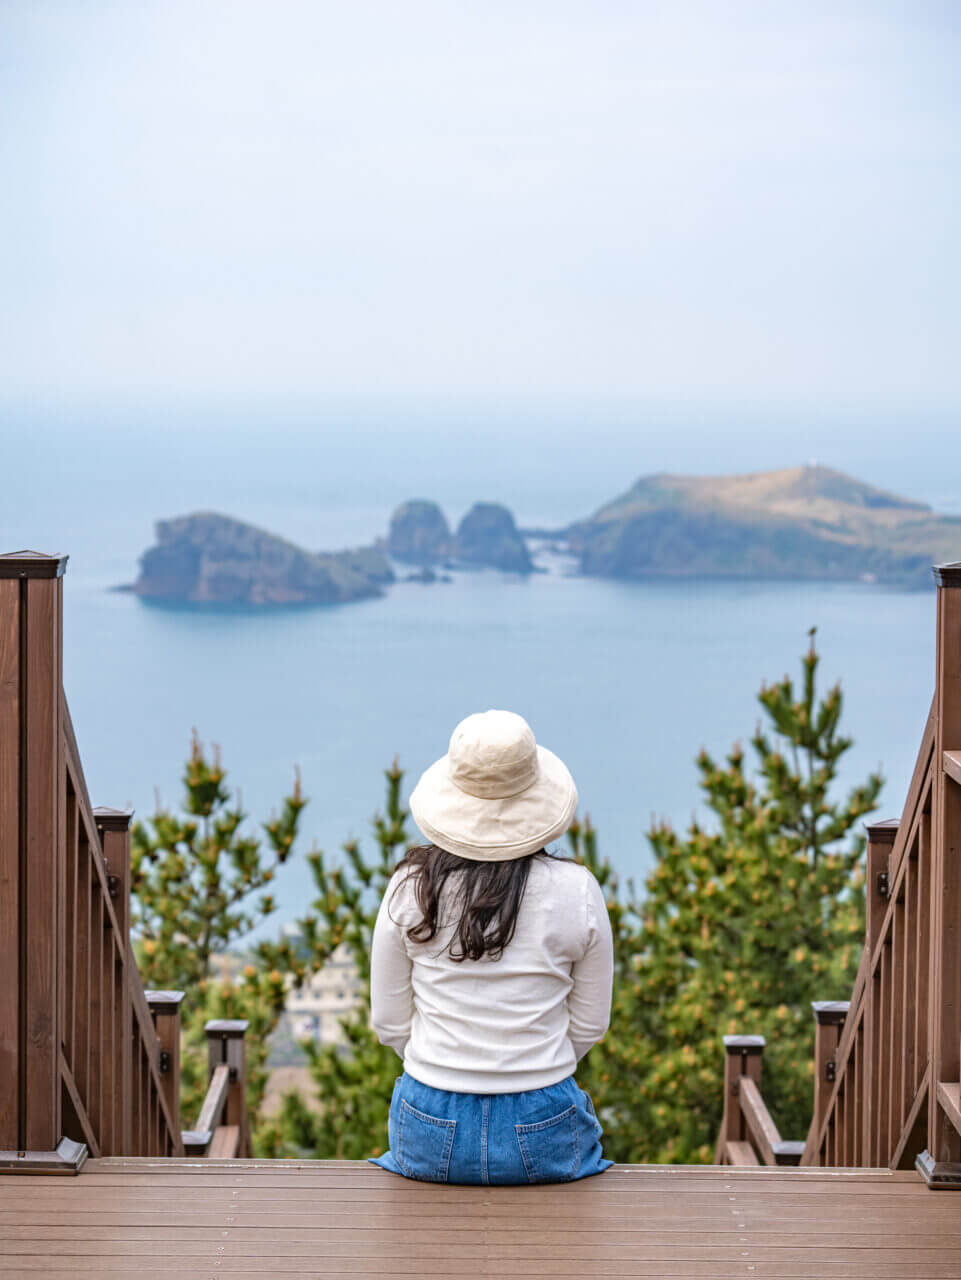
(739, 1153)
(87, 1064)
(888, 1061)
(876, 1107)
(129, 1102)
(748, 1133)
(222, 1127)
(952, 765)
(226, 1046)
(225, 1144)
(758, 1120)
(215, 1101)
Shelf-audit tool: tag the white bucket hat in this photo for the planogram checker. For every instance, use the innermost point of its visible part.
(496, 795)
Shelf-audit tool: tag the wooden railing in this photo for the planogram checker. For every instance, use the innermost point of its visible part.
(748, 1132)
(222, 1129)
(89, 1062)
(887, 1062)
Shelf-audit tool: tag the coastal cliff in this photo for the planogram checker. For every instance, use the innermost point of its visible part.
(803, 522)
(211, 559)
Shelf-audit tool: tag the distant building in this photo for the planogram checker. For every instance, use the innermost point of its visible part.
(227, 966)
(314, 1011)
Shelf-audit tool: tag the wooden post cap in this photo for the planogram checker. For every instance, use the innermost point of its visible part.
(112, 819)
(744, 1044)
(196, 1141)
(164, 1002)
(947, 575)
(226, 1028)
(884, 832)
(32, 564)
(788, 1152)
(830, 1013)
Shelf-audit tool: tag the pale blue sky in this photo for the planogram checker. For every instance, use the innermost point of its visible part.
(696, 202)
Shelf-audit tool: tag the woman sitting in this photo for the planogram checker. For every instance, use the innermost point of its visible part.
(491, 970)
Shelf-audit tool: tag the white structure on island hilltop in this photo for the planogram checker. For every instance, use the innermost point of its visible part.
(314, 1011)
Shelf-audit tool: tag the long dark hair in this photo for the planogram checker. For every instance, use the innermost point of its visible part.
(488, 896)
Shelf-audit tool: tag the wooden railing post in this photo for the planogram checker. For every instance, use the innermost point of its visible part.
(164, 1008)
(829, 1018)
(940, 1164)
(113, 827)
(742, 1057)
(226, 1044)
(881, 837)
(32, 787)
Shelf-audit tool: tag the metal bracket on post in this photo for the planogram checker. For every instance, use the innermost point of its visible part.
(938, 1175)
(69, 1158)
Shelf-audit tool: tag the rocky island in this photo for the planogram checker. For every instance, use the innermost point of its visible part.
(419, 533)
(487, 537)
(804, 522)
(210, 559)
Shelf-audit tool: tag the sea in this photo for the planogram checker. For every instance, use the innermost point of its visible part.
(626, 681)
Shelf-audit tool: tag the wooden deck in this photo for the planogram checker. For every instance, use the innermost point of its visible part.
(212, 1220)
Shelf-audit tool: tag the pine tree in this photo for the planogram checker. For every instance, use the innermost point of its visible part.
(745, 921)
(353, 1080)
(197, 882)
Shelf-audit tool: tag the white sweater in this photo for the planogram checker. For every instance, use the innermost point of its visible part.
(497, 1026)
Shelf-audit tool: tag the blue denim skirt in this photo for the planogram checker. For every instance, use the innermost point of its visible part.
(540, 1135)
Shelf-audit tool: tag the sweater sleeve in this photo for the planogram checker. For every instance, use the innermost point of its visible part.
(391, 993)
(589, 1001)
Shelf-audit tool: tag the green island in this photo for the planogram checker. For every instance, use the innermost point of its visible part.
(808, 522)
(802, 522)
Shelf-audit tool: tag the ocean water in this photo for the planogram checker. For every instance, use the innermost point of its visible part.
(626, 681)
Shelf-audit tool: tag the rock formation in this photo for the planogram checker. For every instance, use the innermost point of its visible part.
(488, 537)
(210, 559)
(419, 533)
(804, 522)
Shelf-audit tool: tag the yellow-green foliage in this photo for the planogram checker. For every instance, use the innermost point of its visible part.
(353, 1082)
(744, 920)
(196, 890)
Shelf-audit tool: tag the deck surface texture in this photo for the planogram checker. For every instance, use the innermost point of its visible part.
(213, 1220)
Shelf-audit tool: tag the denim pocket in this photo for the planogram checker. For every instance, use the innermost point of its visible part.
(549, 1148)
(424, 1144)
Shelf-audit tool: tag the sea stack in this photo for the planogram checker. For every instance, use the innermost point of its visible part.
(488, 537)
(419, 533)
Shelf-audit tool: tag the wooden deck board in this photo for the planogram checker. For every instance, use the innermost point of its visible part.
(151, 1219)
